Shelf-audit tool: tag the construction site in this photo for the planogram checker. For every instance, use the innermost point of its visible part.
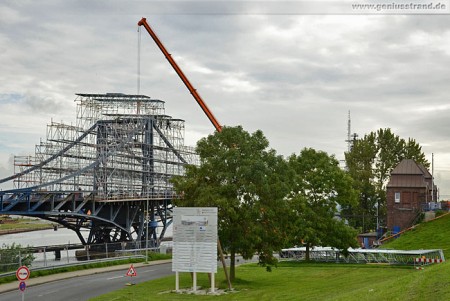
(122, 146)
(110, 172)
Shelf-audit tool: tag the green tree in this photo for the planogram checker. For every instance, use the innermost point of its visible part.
(370, 163)
(319, 188)
(244, 179)
(12, 256)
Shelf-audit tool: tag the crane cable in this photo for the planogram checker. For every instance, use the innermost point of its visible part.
(139, 69)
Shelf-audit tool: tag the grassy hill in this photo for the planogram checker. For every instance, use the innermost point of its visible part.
(434, 234)
(320, 281)
(306, 281)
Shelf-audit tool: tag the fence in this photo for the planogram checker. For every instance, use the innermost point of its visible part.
(435, 206)
(71, 254)
(328, 254)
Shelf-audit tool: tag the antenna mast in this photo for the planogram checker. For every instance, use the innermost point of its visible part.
(349, 133)
(351, 138)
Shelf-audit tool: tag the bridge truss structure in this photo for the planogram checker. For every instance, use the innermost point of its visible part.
(109, 173)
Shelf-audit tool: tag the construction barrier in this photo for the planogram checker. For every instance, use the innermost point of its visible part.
(425, 261)
(428, 260)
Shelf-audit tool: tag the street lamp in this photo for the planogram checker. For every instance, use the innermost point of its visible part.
(378, 224)
(146, 234)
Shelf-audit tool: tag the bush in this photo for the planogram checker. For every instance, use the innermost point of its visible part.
(11, 257)
(440, 212)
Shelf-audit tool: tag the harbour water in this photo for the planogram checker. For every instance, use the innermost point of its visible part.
(50, 237)
(41, 238)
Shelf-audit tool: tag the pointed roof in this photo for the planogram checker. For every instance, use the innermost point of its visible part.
(408, 167)
(409, 174)
(426, 173)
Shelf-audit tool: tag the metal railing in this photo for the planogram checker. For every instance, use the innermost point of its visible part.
(48, 257)
(328, 254)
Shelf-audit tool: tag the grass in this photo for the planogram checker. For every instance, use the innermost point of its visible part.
(428, 235)
(319, 281)
(307, 281)
(23, 224)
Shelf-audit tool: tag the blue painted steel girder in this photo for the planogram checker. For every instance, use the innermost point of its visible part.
(108, 221)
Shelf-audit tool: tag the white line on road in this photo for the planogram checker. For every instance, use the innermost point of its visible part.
(48, 293)
(148, 271)
(116, 277)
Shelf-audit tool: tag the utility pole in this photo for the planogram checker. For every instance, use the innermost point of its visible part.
(432, 177)
(349, 133)
(146, 233)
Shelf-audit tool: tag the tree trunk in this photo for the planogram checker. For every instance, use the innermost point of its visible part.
(307, 252)
(232, 264)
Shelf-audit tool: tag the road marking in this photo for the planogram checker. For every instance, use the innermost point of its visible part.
(147, 271)
(116, 277)
(48, 293)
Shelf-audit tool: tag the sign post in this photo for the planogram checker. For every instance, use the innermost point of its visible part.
(22, 274)
(194, 242)
(22, 286)
(131, 273)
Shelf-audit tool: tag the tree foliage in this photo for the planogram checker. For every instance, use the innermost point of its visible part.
(370, 163)
(319, 188)
(243, 178)
(266, 202)
(12, 256)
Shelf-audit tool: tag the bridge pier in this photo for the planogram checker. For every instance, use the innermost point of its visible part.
(58, 254)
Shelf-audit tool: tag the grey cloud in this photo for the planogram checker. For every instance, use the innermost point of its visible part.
(308, 71)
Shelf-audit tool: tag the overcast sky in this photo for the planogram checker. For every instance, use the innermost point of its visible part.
(291, 74)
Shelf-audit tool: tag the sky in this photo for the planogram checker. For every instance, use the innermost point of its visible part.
(291, 69)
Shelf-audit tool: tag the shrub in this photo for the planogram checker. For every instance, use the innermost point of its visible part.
(11, 257)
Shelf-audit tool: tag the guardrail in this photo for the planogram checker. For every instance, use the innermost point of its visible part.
(12, 273)
(43, 257)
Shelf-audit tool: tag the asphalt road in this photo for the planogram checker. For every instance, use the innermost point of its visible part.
(83, 287)
(85, 284)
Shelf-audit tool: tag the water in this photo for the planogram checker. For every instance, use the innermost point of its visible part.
(50, 237)
(41, 238)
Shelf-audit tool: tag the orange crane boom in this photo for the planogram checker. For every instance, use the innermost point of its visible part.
(198, 98)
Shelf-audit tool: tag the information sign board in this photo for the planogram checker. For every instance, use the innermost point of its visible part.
(194, 239)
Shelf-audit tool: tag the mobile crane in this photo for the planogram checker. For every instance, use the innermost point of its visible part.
(198, 98)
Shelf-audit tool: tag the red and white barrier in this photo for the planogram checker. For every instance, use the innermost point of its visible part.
(428, 260)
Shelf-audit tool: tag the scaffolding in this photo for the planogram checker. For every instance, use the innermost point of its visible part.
(110, 172)
(22, 163)
(121, 147)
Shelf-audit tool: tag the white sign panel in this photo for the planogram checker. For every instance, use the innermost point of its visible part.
(194, 239)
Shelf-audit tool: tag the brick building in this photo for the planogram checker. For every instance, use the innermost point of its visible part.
(410, 186)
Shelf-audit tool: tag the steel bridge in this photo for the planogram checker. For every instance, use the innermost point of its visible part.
(108, 174)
